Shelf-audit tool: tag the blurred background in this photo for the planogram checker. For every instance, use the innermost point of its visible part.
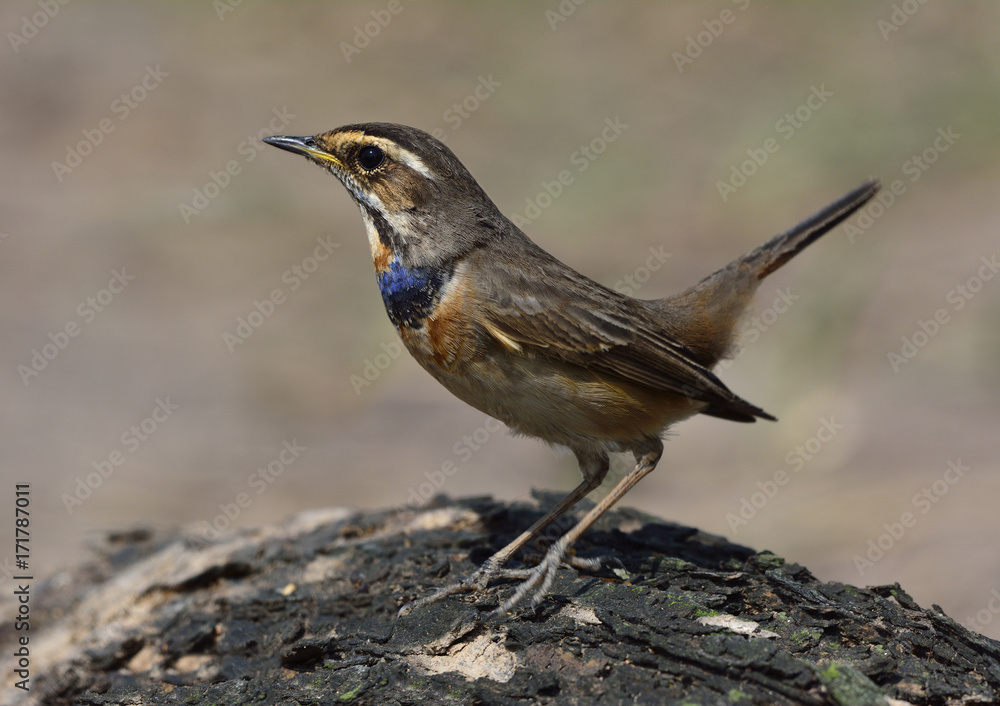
(188, 316)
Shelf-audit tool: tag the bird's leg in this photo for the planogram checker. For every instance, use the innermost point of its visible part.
(539, 580)
(593, 465)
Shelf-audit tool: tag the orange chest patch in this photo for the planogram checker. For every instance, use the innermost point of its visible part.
(381, 255)
(449, 337)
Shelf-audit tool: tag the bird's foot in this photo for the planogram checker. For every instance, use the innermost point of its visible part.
(538, 581)
(476, 581)
(535, 581)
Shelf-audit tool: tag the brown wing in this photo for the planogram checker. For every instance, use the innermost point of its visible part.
(554, 311)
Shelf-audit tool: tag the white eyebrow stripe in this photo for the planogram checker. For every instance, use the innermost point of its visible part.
(402, 155)
(414, 162)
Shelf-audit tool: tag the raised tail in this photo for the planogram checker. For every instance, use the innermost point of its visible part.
(705, 316)
(783, 247)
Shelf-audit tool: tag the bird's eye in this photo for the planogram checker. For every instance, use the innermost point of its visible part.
(371, 157)
(310, 142)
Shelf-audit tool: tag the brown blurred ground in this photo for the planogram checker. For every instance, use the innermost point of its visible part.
(217, 83)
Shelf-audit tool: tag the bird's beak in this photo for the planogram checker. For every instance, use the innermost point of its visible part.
(306, 146)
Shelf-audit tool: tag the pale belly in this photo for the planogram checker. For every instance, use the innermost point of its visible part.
(559, 403)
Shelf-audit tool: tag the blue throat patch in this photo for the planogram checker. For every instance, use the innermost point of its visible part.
(411, 294)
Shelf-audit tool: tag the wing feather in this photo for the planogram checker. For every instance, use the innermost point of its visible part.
(613, 334)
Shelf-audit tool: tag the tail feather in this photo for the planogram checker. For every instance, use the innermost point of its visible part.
(784, 246)
(705, 316)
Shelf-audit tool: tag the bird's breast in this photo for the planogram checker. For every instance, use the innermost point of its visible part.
(434, 311)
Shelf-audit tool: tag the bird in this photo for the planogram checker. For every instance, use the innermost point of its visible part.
(523, 337)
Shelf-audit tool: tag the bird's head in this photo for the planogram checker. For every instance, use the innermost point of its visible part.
(419, 202)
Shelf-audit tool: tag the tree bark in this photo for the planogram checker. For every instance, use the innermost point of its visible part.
(304, 613)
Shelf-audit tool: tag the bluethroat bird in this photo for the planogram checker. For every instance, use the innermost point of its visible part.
(519, 335)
